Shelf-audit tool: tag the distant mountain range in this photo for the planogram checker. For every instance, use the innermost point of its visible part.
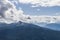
(54, 26)
(26, 31)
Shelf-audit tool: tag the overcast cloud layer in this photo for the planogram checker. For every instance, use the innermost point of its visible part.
(10, 14)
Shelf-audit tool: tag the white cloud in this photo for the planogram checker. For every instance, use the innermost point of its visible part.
(38, 9)
(9, 13)
(43, 3)
(44, 19)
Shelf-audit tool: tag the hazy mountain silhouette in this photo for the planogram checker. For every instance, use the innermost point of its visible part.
(25, 31)
(54, 26)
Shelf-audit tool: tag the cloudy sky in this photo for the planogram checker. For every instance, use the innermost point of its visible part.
(39, 7)
(19, 10)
